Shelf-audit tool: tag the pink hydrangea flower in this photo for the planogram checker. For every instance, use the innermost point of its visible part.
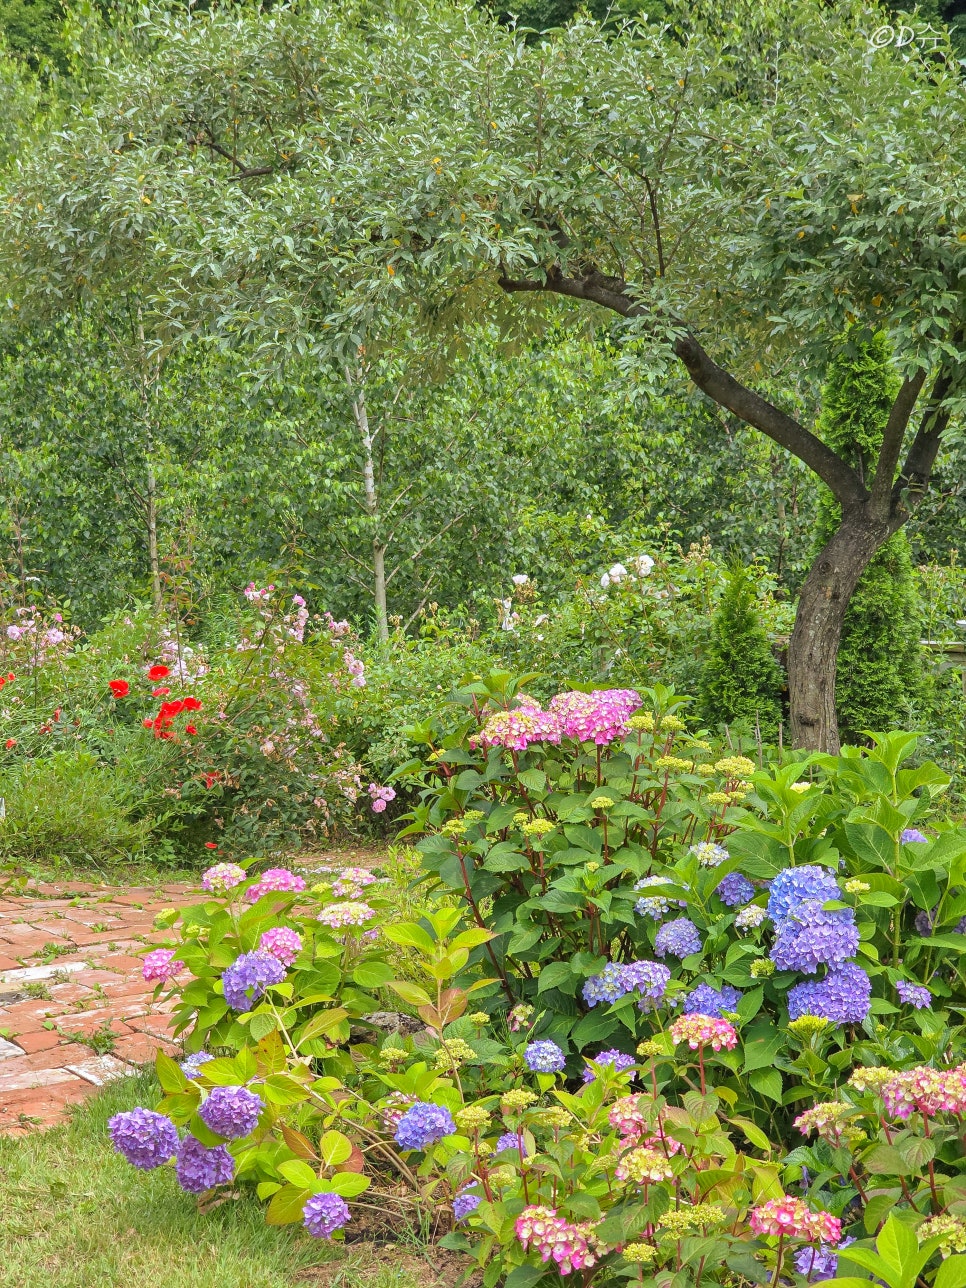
(703, 1030)
(928, 1091)
(554, 1238)
(795, 1220)
(223, 877)
(282, 943)
(338, 915)
(518, 728)
(598, 717)
(349, 883)
(276, 880)
(161, 965)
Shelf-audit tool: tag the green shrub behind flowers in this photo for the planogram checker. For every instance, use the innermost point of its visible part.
(577, 1094)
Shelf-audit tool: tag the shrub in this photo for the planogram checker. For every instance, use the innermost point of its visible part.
(741, 680)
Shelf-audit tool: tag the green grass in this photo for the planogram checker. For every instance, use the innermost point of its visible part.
(75, 1215)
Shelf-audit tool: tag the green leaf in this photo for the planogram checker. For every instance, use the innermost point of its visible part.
(556, 975)
(286, 1206)
(767, 1082)
(261, 1024)
(372, 974)
(951, 1273)
(169, 1073)
(348, 1184)
(525, 1276)
(409, 935)
(334, 1148)
(897, 1244)
(753, 1133)
(298, 1172)
(280, 1089)
(414, 994)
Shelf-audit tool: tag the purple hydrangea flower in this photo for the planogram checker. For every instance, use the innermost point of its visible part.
(795, 886)
(617, 1059)
(246, 978)
(464, 1204)
(843, 996)
(608, 986)
(648, 978)
(734, 889)
(512, 1140)
(818, 1264)
(231, 1112)
(913, 995)
(145, 1138)
(423, 1125)
(925, 923)
(679, 937)
(191, 1066)
(912, 836)
(615, 980)
(811, 937)
(199, 1169)
(323, 1214)
(282, 943)
(544, 1057)
(713, 1002)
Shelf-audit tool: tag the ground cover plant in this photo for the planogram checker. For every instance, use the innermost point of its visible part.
(677, 1015)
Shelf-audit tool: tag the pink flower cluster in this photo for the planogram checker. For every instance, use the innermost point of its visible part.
(702, 1030)
(350, 882)
(338, 915)
(276, 880)
(223, 877)
(930, 1091)
(597, 717)
(567, 1244)
(282, 944)
(629, 1117)
(254, 595)
(792, 1218)
(160, 965)
(380, 797)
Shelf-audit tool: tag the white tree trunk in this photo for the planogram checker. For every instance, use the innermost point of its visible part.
(371, 498)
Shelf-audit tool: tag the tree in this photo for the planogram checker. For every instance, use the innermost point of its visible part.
(878, 671)
(734, 191)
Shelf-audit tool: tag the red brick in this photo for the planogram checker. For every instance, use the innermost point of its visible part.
(39, 1040)
(140, 1048)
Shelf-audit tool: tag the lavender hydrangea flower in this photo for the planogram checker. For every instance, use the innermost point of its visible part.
(247, 977)
(912, 836)
(843, 996)
(544, 1057)
(795, 886)
(145, 1138)
(464, 1204)
(512, 1140)
(424, 1125)
(615, 981)
(323, 1214)
(913, 995)
(198, 1168)
(679, 937)
(705, 1000)
(811, 937)
(608, 986)
(734, 889)
(191, 1066)
(648, 978)
(618, 1060)
(925, 923)
(817, 1263)
(231, 1112)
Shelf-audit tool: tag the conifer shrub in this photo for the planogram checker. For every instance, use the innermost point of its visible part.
(741, 681)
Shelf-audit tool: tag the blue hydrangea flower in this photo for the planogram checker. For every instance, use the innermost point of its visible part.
(795, 886)
(819, 1263)
(925, 923)
(843, 996)
(912, 836)
(544, 1057)
(811, 937)
(913, 995)
(679, 937)
(608, 986)
(145, 1138)
(464, 1204)
(648, 978)
(323, 1214)
(734, 889)
(424, 1124)
(246, 978)
(199, 1168)
(705, 1000)
(191, 1066)
(616, 1059)
(231, 1112)
(512, 1140)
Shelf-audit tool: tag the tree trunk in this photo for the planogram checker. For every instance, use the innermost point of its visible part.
(152, 522)
(814, 645)
(371, 493)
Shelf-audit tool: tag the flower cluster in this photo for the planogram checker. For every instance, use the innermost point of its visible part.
(323, 1214)
(654, 906)
(464, 1204)
(843, 996)
(795, 1220)
(276, 881)
(617, 1060)
(337, 916)
(246, 979)
(380, 797)
(570, 1246)
(544, 1057)
(145, 1138)
(829, 1120)
(679, 937)
(705, 1000)
(282, 943)
(811, 936)
(199, 1168)
(161, 965)
(913, 995)
(223, 877)
(703, 1030)
(231, 1112)
(191, 1066)
(424, 1124)
(708, 854)
(349, 883)
(794, 887)
(928, 1091)
(599, 717)
(733, 889)
(643, 1166)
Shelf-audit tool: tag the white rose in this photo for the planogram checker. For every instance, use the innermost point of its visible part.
(520, 579)
(605, 581)
(616, 572)
(642, 565)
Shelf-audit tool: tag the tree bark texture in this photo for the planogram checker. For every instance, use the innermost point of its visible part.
(371, 500)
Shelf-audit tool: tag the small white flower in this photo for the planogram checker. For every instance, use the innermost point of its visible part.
(642, 565)
(605, 581)
(616, 572)
(520, 579)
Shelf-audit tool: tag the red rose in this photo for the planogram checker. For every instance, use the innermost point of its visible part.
(192, 704)
(190, 729)
(120, 688)
(160, 693)
(10, 744)
(11, 676)
(210, 845)
(148, 722)
(158, 672)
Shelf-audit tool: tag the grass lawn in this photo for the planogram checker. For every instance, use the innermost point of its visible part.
(75, 1215)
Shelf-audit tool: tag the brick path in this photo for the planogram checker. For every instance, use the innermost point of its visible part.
(69, 971)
